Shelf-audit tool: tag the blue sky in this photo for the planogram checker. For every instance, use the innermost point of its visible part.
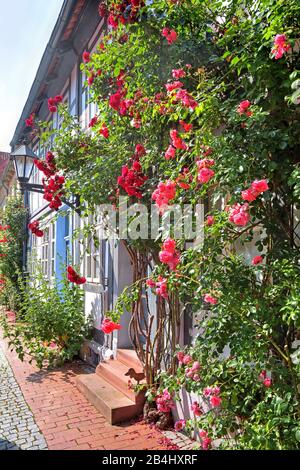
(25, 28)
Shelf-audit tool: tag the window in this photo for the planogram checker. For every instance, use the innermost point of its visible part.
(48, 251)
(53, 250)
(32, 253)
(83, 101)
(92, 254)
(67, 238)
(45, 252)
(88, 109)
(92, 260)
(59, 117)
(33, 242)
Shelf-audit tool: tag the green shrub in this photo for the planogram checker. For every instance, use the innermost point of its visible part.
(53, 322)
(13, 216)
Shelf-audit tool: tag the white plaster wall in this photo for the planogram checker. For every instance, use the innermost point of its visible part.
(93, 307)
(122, 278)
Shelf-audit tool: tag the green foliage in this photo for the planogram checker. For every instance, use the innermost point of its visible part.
(251, 415)
(14, 216)
(228, 45)
(53, 323)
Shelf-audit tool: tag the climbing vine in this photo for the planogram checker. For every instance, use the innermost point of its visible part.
(198, 101)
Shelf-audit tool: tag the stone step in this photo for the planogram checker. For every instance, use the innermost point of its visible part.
(130, 359)
(113, 404)
(113, 371)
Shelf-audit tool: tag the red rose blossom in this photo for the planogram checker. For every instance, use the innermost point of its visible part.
(108, 326)
(86, 57)
(74, 277)
(257, 260)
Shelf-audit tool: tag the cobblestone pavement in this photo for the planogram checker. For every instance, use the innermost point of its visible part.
(18, 429)
(67, 420)
(40, 409)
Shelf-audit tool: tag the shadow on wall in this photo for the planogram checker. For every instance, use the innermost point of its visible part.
(96, 311)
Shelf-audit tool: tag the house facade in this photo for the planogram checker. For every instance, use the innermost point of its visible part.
(105, 265)
(78, 28)
(8, 182)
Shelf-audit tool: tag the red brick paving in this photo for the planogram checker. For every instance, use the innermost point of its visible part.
(67, 419)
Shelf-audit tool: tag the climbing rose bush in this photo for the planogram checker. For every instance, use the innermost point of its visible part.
(210, 93)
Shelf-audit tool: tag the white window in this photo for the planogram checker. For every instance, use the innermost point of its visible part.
(83, 101)
(48, 251)
(32, 253)
(92, 254)
(52, 250)
(59, 117)
(68, 246)
(45, 252)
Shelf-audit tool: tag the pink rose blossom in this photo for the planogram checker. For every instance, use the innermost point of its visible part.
(196, 366)
(86, 57)
(210, 220)
(150, 283)
(164, 193)
(187, 127)
(205, 163)
(196, 409)
(173, 86)
(267, 382)
(170, 153)
(162, 287)
(205, 175)
(139, 150)
(169, 255)
(180, 355)
(260, 186)
(238, 214)
(187, 359)
(186, 99)
(189, 373)
(215, 401)
(205, 440)
(164, 402)
(177, 141)
(206, 443)
(280, 46)
(210, 299)
(216, 390)
(179, 425)
(249, 195)
(243, 107)
(207, 392)
(169, 245)
(169, 34)
(262, 375)
(178, 73)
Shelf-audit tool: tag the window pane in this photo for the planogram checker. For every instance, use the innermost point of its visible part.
(96, 266)
(88, 265)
